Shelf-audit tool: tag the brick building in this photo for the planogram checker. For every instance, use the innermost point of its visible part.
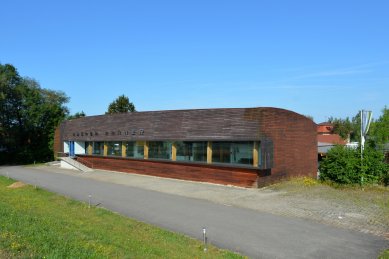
(247, 147)
(327, 139)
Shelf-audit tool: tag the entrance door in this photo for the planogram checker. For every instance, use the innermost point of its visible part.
(71, 148)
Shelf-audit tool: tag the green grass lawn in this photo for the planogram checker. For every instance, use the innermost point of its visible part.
(35, 223)
(384, 255)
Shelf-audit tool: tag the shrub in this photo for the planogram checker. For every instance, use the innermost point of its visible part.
(374, 167)
(385, 177)
(344, 166)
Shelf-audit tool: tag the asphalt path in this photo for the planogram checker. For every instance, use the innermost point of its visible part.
(249, 232)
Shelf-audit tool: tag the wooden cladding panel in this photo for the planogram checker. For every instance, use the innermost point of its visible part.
(146, 150)
(255, 154)
(105, 152)
(174, 152)
(209, 152)
(123, 149)
(243, 177)
(89, 148)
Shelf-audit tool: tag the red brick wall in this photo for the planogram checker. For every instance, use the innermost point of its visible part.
(295, 143)
(244, 177)
(58, 145)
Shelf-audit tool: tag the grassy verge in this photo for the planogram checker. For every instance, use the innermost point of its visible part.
(310, 188)
(39, 224)
(384, 255)
(372, 200)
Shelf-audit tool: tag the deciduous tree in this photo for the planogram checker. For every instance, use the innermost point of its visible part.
(120, 105)
(379, 130)
(76, 115)
(347, 128)
(29, 115)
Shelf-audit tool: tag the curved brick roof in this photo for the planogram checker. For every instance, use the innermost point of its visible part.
(199, 124)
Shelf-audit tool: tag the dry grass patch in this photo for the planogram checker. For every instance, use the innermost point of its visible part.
(16, 185)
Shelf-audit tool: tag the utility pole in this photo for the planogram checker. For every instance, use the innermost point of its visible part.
(366, 117)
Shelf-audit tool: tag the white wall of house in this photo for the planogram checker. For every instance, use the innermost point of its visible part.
(79, 147)
(66, 147)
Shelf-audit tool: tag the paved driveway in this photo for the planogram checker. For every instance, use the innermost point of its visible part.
(253, 233)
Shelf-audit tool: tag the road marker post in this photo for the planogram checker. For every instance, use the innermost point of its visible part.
(205, 239)
(89, 200)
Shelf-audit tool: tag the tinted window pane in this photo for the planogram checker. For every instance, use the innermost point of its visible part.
(114, 148)
(233, 152)
(135, 149)
(160, 149)
(87, 147)
(191, 151)
(98, 148)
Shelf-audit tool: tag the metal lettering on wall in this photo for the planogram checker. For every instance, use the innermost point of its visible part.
(133, 132)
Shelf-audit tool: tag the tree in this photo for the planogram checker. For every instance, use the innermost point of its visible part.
(29, 115)
(76, 115)
(356, 128)
(120, 105)
(342, 127)
(379, 130)
(344, 165)
(347, 128)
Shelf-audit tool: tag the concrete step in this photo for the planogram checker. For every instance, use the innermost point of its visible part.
(68, 162)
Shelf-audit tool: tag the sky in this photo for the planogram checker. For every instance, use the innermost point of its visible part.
(318, 58)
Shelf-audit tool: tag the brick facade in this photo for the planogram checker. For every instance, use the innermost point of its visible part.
(292, 137)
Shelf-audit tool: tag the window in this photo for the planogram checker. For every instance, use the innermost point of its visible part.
(233, 152)
(191, 151)
(114, 148)
(98, 148)
(160, 149)
(135, 149)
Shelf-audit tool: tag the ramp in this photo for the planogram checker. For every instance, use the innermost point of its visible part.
(68, 162)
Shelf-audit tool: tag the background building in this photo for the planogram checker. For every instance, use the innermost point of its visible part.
(327, 139)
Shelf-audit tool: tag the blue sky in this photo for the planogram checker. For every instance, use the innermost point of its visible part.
(318, 58)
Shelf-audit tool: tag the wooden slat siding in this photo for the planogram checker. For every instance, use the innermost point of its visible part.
(123, 149)
(174, 151)
(105, 152)
(89, 148)
(255, 154)
(146, 150)
(209, 152)
(244, 177)
(293, 136)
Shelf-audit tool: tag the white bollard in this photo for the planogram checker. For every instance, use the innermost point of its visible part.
(89, 200)
(205, 239)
